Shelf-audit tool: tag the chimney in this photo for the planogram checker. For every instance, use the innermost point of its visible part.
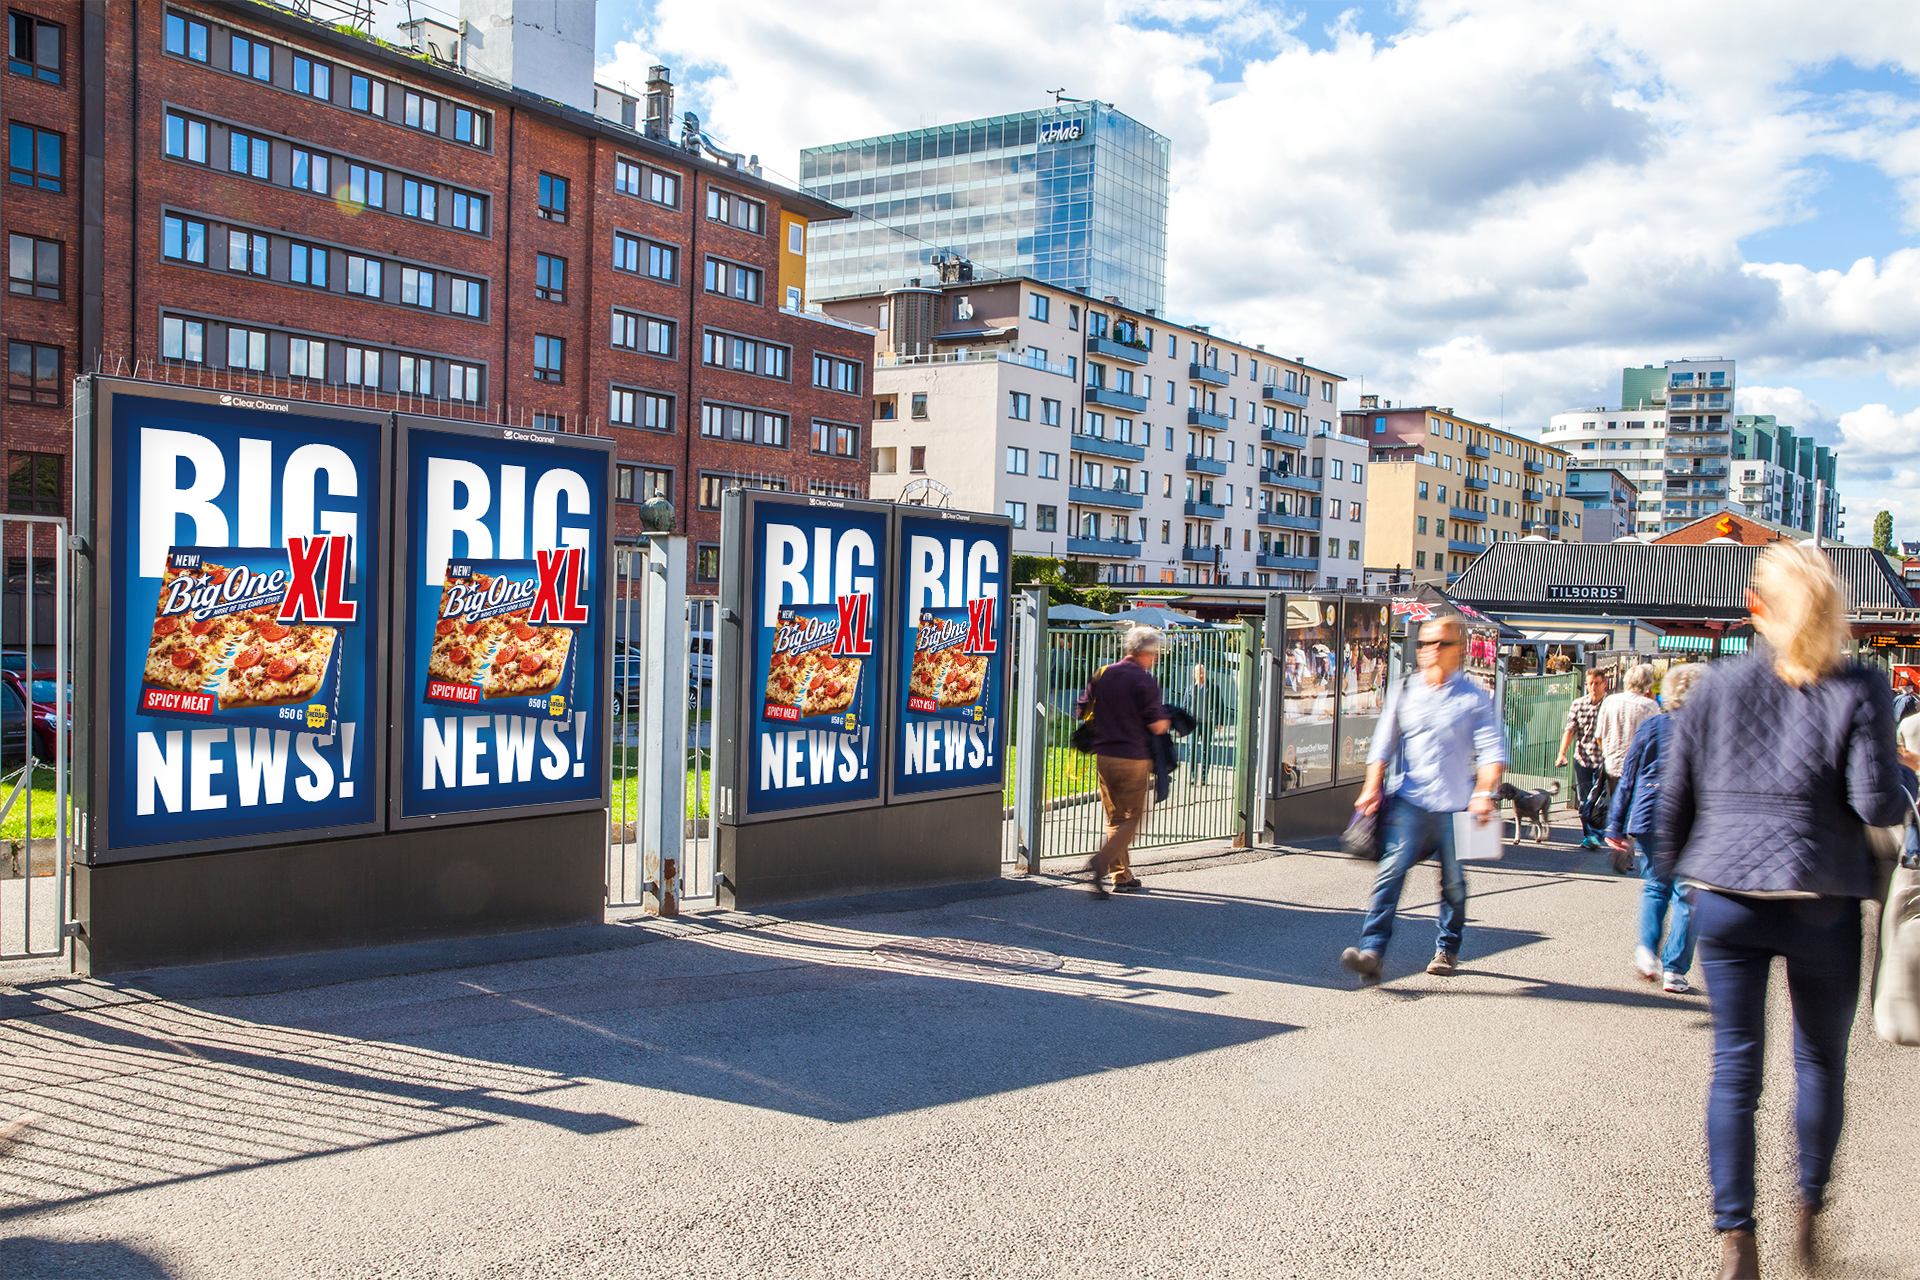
(543, 47)
(659, 103)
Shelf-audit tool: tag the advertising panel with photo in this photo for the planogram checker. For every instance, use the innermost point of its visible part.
(1366, 633)
(1309, 691)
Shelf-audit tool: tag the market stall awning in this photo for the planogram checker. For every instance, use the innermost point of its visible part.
(1703, 644)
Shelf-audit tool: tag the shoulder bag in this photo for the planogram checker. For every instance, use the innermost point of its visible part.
(1366, 833)
(1083, 732)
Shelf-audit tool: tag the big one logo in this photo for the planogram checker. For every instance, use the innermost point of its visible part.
(950, 692)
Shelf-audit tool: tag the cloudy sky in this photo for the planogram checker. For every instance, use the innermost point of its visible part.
(1489, 204)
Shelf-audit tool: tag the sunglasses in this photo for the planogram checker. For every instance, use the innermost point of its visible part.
(1444, 644)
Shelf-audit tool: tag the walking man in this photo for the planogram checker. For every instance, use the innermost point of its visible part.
(1583, 736)
(1124, 702)
(1620, 715)
(1208, 707)
(1435, 731)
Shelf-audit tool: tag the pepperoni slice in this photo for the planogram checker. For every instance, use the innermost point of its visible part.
(459, 656)
(444, 627)
(184, 658)
(165, 626)
(507, 653)
(201, 627)
(281, 668)
(248, 657)
(521, 631)
(475, 628)
(531, 663)
(218, 575)
(272, 631)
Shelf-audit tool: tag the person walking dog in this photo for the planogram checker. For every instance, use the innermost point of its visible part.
(1782, 759)
(1635, 804)
(1582, 737)
(1124, 702)
(1433, 730)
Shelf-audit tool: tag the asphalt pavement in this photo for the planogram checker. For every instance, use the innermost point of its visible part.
(1014, 1081)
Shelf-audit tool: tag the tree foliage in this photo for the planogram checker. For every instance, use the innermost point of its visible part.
(1883, 532)
(1069, 582)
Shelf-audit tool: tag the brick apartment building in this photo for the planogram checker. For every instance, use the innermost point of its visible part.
(227, 192)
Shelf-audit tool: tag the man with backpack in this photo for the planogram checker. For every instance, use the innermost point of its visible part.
(1122, 705)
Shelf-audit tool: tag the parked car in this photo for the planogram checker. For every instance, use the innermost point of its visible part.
(22, 695)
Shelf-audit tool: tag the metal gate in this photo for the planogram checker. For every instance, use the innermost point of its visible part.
(1053, 795)
(36, 610)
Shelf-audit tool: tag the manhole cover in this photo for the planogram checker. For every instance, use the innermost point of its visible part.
(958, 955)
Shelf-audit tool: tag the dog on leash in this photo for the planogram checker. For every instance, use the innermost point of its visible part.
(1530, 807)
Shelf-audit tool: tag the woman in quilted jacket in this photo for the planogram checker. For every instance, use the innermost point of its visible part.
(1777, 765)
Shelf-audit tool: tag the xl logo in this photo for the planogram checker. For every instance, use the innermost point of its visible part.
(461, 496)
(245, 483)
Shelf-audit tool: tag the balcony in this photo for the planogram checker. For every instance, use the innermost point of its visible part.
(1696, 448)
(1531, 495)
(1535, 467)
(1474, 482)
(1699, 471)
(1108, 448)
(1207, 373)
(1464, 548)
(1698, 489)
(1267, 560)
(1117, 350)
(1110, 548)
(1281, 520)
(1280, 435)
(1200, 555)
(1288, 480)
(1280, 395)
(1466, 513)
(1206, 466)
(1118, 499)
(1111, 399)
(1211, 421)
(1206, 511)
(1479, 451)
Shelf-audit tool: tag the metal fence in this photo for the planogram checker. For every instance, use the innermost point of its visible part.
(1536, 715)
(36, 813)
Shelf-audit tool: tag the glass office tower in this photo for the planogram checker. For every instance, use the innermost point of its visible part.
(1073, 194)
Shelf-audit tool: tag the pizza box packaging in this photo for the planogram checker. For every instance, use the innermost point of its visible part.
(484, 600)
(825, 697)
(940, 649)
(222, 596)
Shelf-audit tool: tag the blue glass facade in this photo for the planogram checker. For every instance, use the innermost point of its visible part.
(1073, 194)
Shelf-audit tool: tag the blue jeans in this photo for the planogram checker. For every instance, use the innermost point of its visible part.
(1409, 830)
(1654, 899)
(1583, 776)
(1739, 937)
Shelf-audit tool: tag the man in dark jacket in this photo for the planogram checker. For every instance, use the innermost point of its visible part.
(1124, 702)
(1634, 815)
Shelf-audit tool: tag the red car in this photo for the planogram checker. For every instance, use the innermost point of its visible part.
(20, 693)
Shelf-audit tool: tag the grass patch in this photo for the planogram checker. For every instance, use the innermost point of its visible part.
(15, 826)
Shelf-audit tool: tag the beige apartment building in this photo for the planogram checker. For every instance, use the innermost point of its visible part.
(1444, 488)
(1153, 450)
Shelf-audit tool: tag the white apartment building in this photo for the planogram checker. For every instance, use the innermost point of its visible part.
(1156, 451)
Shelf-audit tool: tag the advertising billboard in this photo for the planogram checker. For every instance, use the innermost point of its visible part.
(501, 642)
(1310, 682)
(233, 592)
(951, 571)
(1366, 634)
(810, 592)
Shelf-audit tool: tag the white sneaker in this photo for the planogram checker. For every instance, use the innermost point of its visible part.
(1676, 983)
(1646, 962)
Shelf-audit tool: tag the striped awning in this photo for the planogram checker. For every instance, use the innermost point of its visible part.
(1703, 644)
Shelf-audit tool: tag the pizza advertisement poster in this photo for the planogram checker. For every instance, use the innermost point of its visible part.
(815, 667)
(232, 640)
(953, 652)
(497, 644)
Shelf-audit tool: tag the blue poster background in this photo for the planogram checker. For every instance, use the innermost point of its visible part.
(946, 561)
(471, 497)
(801, 551)
(215, 476)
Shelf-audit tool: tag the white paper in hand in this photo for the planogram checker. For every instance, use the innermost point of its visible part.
(1476, 841)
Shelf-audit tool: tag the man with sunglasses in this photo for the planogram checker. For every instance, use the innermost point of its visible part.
(1435, 732)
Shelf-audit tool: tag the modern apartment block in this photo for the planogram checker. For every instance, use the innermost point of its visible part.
(1607, 499)
(1156, 451)
(238, 194)
(1444, 488)
(1074, 194)
(1632, 442)
(1779, 476)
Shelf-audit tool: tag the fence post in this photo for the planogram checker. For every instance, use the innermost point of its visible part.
(1029, 726)
(663, 587)
(1248, 641)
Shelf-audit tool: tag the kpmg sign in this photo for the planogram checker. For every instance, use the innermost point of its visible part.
(1561, 591)
(1062, 131)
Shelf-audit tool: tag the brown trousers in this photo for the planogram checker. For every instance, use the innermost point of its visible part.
(1124, 785)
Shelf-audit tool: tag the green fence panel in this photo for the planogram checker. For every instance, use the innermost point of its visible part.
(1536, 716)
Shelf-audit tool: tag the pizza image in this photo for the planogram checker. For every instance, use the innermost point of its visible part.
(929, 669)
(275, 665)
(456, 655)
(966, 673)
(530, 660)
(183, 655)
(830, 688)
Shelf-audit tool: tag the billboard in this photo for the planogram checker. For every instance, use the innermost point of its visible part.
(233, 594)
(1366, 635)
(501, 639)
(1309, 685)
(810, 594)
(951, 571)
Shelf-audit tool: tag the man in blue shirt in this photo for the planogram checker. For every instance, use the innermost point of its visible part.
(1433, 731)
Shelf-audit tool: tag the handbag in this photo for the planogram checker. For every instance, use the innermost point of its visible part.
(1366, 833)
(1896, 977)
(1599, 799)
(1083, 732)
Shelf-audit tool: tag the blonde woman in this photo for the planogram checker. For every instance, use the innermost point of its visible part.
(1780, 761)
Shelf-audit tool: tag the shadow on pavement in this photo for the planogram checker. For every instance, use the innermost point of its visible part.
(32, 1258)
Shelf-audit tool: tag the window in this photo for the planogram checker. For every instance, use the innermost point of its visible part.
(549, 277)
(249, 155)
(553, 198)
(416, 375)
(840, 375)
(645, 409)
(33, 483)
(883, 461)
(1016, 461)
(836, 438)
(648, 183)
(420, 200)
(463, 382)
(1420, 560)
(249, 57)
(1038, 305)
(313, 78)
(706, 557)
(33, 267)
(549, 358)
(246, 349)
(363, 276)
(33, 373)
(549, 422)
(183, 340)
(749, 426)
(307, 264)
(246, 252)
(1049, 466)
(735, 211)
(186, 139)
(1020, 406)
(1017, 512)
(642, 333)
(917, 458)
(1049, 412)
(1073, 316)
(1356, 473)
(745, 355)
(367, 186)
(363, 367)
(33, 157)
(733, 280)
(186, 37)
(469, 212)
(469, 127)
(797, 238)
(919, 404)
(33, 48)
(1423, 490)
(416, 287)
(368, 95)
(307, 358)
(793, 297)
(1046, 518)
(422, 113)
(1338, 468)
(310, 172)
(463, 297)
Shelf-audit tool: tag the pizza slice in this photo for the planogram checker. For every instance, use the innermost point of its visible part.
(830, 689)
(929, 666)
(455, 655)
(277, 666)
(524, 668)
(181, 659)
(966, 673)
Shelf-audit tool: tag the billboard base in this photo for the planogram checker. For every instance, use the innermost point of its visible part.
(1311, 815)
(402, 886)
(904, 845)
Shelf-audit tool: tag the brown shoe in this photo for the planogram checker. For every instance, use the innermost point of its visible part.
(1443, 964)
(1739, 1256)
(1806, 1244)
